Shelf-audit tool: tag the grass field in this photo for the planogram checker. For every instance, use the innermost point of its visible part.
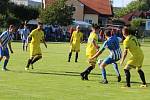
(55, 79)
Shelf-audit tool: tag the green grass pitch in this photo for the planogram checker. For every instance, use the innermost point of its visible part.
(55, 79)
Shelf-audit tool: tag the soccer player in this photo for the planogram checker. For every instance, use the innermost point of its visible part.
(24, 36)
(91, 50)
(5, 39)
(76, 39)
(132, 45)
(112, 43)
(36, 36)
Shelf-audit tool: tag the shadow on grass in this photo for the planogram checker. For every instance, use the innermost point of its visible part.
(67, 73)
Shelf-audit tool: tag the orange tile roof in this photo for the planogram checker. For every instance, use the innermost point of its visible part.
(100, 6)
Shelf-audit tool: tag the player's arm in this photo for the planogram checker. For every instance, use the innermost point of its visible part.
(71, 39)
(95, 44)
(43, 40)
(81, 39)
(125, 52)
(10, 48)
(99, 52)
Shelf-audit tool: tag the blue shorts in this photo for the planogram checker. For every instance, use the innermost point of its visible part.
(109, 60)
(4, 52)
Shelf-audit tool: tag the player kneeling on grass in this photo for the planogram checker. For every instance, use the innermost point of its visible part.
(36, 36)
(132, 45)
(91, 49)
(112, 43)
(5, 39)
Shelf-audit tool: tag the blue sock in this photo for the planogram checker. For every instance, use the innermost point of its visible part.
(116, 68)
(5, 64)
(103, 73)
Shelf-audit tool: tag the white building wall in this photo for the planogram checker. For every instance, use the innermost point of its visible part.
(91, 18)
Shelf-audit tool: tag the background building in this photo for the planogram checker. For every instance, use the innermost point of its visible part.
(27, 3)
(91, 11)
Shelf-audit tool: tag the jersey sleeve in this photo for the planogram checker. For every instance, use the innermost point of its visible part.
(32, 33)
(104, 46)
(126, 44)
(119, 39)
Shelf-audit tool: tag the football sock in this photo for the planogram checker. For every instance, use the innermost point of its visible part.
(5, 64)
(26, 48)
(23, 47)
(35, 59)
(142, 76)
(127, 73)
(103, 73)
(116, 68)
(76, 57)
(88, 70)
(70, 54)
(29, 62)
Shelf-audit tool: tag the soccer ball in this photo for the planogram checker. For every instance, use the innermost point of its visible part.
(100, 61)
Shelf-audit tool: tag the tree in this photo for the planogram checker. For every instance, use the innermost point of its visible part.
(3, 6)
(136, 23)
(140, 5)
(57, 13)
(23, 12)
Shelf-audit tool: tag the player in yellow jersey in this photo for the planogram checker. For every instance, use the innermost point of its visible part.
(76, 39)
(91, 50)
(132, 45)
(36, 36)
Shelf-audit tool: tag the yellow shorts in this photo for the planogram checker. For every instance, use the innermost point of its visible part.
(135, 62)
(75, 47)
(35, 50)
(91, 62)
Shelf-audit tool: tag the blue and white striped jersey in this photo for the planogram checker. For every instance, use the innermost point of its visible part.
(113, 45)
(5, 38)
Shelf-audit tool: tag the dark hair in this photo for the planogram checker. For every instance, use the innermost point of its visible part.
(107, 33)
(95, 26)
(40, 23)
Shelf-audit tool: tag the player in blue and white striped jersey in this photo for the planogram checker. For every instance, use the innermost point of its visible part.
(5, 39)
(112, 43)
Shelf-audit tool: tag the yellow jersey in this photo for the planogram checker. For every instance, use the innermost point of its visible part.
(37, 36)
(91, 49)
(75, 41)
(76, 37)
(131, 43)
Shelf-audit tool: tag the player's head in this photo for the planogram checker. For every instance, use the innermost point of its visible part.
(11, 29)
(107, 33)
(40, 25)
(95, 27)
(127, 31)
(77, 28)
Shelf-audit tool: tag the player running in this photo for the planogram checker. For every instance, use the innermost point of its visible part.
(36, 36)
(132, 45)
(112, 43)
(5, 39)
(91, 50)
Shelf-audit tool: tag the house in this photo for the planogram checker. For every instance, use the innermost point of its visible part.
(132, 15)
(91, 11)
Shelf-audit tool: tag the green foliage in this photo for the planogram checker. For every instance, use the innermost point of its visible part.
(23, 12)
(134, 5)
(136, 23)
(3, 6)
(57, 13)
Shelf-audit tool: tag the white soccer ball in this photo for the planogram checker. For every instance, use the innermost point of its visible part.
(100, 61)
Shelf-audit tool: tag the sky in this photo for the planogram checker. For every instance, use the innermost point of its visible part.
(121, 3)
(116, 3)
